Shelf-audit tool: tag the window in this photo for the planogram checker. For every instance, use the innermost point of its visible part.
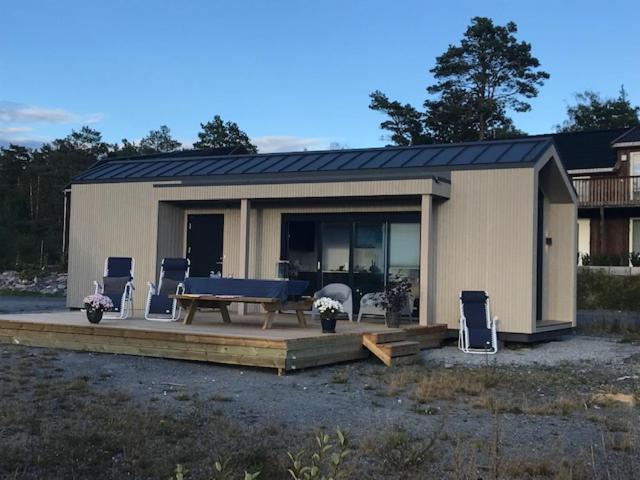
(635, 235)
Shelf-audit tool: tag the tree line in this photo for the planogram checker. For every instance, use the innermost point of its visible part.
(32, 181)
(478, 83)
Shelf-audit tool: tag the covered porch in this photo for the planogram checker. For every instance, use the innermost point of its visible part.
(358, 240)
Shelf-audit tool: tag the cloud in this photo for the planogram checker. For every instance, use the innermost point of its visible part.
(288, 143)
(19, 136)
(13, 130)
(11, 112)
(22, 141)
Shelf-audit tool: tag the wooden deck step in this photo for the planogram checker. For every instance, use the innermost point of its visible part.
(430, 336)
(392, 335)
(389, 351)
(399, 349)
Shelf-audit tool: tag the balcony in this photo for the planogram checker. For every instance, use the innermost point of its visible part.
(608, 191)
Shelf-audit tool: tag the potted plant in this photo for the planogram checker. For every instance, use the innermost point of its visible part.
(95, 305)
(329, 310)
(394, 299)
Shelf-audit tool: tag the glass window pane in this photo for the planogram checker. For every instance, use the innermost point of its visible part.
(635, 236)
(335, 247)
(404, 245)
(404, 253)
(303, 254)
(368, 250)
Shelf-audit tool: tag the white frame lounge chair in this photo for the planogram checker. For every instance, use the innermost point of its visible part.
(477, 328)
(339, 292)
(173, 272)
(118, 274)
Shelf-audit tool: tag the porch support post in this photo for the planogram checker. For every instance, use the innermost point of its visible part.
(427, 243)
(244, 246)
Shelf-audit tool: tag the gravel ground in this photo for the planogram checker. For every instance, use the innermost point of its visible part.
(571, 349)
(12, 304)
(329, 396)
(361, 395)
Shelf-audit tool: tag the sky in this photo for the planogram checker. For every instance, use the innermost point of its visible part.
(293, 74)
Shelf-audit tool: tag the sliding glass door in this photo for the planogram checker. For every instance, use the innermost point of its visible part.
(336, 252)
(359, 250)
(369, 258)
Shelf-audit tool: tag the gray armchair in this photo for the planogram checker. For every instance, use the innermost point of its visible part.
(339, 292)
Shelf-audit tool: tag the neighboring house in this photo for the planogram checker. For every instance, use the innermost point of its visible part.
(604, 166)
(498, 216)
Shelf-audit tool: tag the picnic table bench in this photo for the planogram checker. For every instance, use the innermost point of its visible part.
(191, 302)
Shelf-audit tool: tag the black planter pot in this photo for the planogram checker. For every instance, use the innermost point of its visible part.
(94, 316)
(328, 325)
(393, 319)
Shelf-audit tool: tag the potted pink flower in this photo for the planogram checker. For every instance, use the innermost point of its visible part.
(95, 305)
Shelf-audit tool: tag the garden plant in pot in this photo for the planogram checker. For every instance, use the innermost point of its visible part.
(96, 305)
(395, 299)
(329, 310)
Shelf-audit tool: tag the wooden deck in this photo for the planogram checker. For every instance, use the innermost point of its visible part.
(285, 347)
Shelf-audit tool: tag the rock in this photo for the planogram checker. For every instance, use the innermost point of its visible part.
(54, 283)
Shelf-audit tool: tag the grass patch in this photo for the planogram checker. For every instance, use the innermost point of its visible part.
(218, 397)
(339, 378)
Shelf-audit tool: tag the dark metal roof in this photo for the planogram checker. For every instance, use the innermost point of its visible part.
(382, 163)
(632, 135)
(589, 149)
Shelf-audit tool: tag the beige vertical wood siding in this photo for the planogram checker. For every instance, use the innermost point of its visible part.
(560, 257)
(485, 234)
(111, 220)
(560, 285)
(170, 233)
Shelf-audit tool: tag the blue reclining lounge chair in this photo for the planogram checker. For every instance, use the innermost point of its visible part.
(173, 273)
(477, 328)
(117, 284)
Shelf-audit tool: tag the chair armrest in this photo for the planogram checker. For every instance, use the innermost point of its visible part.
(152, 287)
(180, 288)
(99, 287)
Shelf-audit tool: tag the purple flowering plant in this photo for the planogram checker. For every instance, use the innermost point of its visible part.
(97, 302)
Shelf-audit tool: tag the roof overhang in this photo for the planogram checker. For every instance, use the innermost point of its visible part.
(327, 190)
(551, 155)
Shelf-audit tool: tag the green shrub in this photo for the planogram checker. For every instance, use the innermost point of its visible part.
(598, 290)
(611, 260)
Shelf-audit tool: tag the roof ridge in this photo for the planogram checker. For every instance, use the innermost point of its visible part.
(162, 157)
(620, 137)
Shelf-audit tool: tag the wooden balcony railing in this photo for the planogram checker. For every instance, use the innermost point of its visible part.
(608, 191)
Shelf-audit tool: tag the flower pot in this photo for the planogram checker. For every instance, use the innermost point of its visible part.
(94, 315)
(393, 319)
(328, 324)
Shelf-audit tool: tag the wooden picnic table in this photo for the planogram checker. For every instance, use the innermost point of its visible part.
(191, 302)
